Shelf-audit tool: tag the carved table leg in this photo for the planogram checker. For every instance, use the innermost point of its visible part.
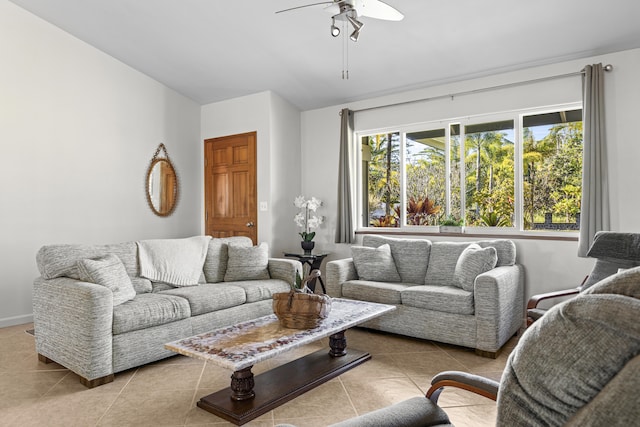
(242, 384)
(338, 344)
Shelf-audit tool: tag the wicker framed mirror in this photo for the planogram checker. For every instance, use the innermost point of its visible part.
(161, 184)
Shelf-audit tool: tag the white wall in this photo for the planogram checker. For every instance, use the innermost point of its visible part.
(78, 129)
(286, 168)
(549, 264)
(277, 124)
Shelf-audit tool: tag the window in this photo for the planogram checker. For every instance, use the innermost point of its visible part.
(552, 170)
(489, 174)
(381, 179)
(425, 176)
(520, 171)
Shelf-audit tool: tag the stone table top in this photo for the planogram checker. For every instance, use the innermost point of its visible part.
(245, 344)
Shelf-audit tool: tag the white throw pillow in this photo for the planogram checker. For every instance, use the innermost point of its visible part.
(472, 262)
(247, 263)
(109, 272)
(375, 264)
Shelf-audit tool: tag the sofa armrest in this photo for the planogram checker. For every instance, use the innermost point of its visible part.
(338, 272)
(73, 325)
(284, 269)
(499, 306)
(471, 382)
(536, 299)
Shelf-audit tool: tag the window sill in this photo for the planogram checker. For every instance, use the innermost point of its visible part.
(567, 237)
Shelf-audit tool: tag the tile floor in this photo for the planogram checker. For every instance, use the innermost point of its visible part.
(165, 393)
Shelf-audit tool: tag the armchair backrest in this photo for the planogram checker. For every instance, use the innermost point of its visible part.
(578, 350)
(613, 251)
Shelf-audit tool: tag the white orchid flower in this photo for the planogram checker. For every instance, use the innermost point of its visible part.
(300, 202)
(299, 219)
(314, 204)
(304, 220)
(315, 221)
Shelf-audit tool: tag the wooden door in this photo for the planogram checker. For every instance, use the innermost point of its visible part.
(230, 186)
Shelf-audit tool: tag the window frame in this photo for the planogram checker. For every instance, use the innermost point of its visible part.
(516, 115)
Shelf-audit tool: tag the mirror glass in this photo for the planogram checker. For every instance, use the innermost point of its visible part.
(162, 187)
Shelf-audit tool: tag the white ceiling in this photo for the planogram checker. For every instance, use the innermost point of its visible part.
(212, 50)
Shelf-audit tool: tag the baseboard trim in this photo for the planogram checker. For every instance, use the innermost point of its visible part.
(16, 320)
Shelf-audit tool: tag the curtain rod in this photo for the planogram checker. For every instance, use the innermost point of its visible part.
(607, 67)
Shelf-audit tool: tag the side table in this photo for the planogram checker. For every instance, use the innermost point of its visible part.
(314, 262)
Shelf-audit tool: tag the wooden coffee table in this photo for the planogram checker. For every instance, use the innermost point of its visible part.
(241, 346)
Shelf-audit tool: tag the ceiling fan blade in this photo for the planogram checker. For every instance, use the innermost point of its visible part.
(378, 10)
(333, 8)
(306, 5)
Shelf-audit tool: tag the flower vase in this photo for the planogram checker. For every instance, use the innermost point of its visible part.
(307, 247)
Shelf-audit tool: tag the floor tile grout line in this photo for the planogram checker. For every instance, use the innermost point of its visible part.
(348, 395)
(418, 386)
(54, 386)
(116, 398)
(195, 392)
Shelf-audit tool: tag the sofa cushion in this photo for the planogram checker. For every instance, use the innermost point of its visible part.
(613, 405)
(258, 290)
(448, 299)
(442, 262)
(247, 263)
(625, 283)
(415, 411)
(505, 249)
(382, 292)
(215, 264)
(109, 272)
(159, 287)
(147, 310)
(375, 264)
(411, 256)
(177, 262)
(209, 297)
(473, 261)
(62, 260)
(593, 336)
(141, 285)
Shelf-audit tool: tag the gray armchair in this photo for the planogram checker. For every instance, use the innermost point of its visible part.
(612, 251)
(579, 365)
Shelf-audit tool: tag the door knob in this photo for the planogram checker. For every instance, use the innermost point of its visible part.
(250, 224)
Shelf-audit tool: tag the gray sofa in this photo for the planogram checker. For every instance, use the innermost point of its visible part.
(101, 328)
(452, 292)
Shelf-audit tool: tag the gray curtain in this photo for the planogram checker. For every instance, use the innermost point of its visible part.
(344, 225)
(594, 211)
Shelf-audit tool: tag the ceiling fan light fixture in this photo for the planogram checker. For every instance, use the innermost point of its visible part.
(357, 25)
(335, 31)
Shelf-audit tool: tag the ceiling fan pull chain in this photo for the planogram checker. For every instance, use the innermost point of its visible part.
(345, 53)
(346, 43)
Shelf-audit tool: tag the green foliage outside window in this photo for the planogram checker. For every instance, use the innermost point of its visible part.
(489, 174)
(551, 177)
(552, 174)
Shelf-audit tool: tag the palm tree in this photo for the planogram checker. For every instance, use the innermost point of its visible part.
(479, 146)
(384, 183)
(489, 160)
(534, 155)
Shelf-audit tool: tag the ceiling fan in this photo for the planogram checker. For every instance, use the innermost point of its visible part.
(350, 10)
